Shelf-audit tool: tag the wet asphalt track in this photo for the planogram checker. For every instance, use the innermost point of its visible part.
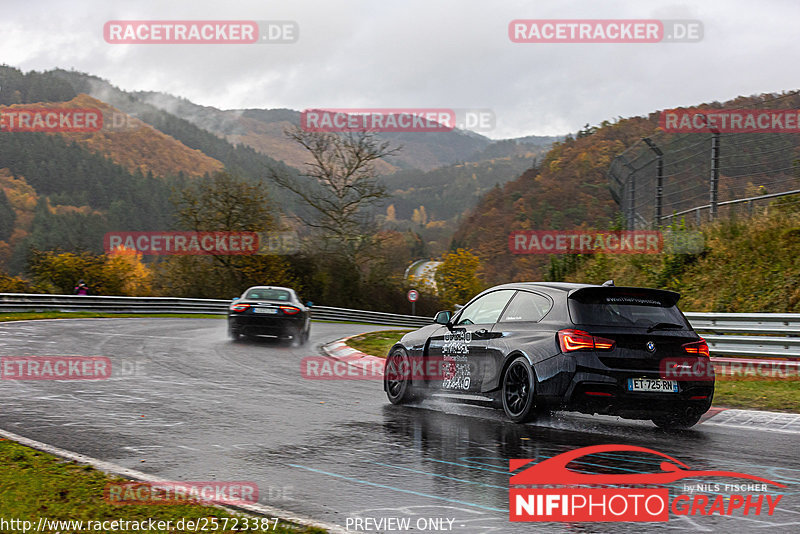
(187, 404)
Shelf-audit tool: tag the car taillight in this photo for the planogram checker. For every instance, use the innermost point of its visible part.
(700, 348)
(289, 310)
(239, 307)
(572, 340)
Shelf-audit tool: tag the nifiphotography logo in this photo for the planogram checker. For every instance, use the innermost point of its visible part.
(551, 490)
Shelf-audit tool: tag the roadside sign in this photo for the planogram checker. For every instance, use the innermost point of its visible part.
(413, 295)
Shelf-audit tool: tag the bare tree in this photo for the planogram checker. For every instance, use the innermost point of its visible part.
(338, 186)
(223, 202)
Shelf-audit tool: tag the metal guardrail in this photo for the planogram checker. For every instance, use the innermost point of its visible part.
(20, 302)
(770, 335)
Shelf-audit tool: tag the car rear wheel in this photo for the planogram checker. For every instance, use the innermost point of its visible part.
(234, 334)
(678, 420)
(396, 377)
(300, 337)
(519, 391)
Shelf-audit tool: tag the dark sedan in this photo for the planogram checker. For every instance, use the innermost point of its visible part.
(532, 347)
(269, 311)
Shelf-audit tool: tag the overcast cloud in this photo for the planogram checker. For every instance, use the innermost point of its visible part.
(424, 53)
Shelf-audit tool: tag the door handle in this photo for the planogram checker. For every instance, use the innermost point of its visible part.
(482, 332)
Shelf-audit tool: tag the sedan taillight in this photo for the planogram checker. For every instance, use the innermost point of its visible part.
(289, 310)
(239, 307)
(698, 348)
(571, 340)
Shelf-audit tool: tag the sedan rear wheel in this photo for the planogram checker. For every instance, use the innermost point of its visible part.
(234, 334)
(519, 391)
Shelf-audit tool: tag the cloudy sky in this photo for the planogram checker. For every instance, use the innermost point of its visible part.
(424, 53)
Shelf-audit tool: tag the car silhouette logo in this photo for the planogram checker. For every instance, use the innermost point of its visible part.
(555, 471)
(651, 346)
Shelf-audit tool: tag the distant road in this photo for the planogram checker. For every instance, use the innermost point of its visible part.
(424, 270)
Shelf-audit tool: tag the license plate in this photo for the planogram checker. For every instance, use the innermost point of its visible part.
(653, 384)
(266, 310)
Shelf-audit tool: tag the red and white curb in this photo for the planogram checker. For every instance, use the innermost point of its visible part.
(339, 350)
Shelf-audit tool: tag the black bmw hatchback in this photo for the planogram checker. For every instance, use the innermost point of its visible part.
(269, 311)
(532, 347)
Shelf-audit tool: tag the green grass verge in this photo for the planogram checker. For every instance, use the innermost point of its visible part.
(782, 395)
(34, 484)
(27, 316)
(775, 395)
(377, 343)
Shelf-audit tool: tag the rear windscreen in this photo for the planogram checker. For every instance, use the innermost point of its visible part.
(612, 306)
(268, 294)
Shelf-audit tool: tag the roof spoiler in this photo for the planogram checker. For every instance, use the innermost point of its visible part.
(635, 295)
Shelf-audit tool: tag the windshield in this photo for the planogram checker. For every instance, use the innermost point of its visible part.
(268, 294)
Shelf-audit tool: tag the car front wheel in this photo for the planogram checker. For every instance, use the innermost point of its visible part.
(519, 391)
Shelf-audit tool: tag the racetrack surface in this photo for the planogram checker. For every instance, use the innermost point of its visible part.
(185, 403)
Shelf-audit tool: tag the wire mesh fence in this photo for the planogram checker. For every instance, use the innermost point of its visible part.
(748, 168)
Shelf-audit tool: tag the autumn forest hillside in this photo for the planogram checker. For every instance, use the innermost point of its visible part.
(570, 187)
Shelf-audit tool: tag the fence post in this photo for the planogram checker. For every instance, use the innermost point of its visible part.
(632, 203)
(714, 186)
(659, 179)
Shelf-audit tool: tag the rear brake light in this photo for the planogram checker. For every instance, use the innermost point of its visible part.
(239, 307)
(289, 310)
(700, 348)
(572, 340)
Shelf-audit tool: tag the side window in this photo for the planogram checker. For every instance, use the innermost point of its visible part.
(487, 309)
(526, 307)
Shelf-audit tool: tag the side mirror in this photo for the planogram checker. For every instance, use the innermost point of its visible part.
(309, 304)
(443, 317)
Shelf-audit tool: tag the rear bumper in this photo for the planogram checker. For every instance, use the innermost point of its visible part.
(266, 326)
(591, 394)
(595, 388)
